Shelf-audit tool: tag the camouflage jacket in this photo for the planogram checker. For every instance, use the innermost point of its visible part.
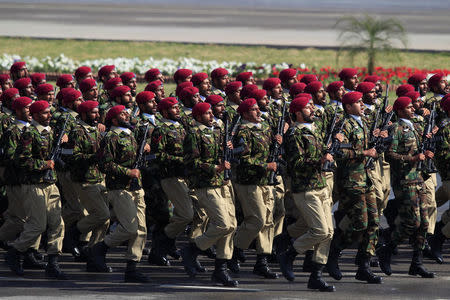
(216, 91)
(231, 109)
(85, 141)
(33, 150)
(203, 150)
(405, 145)
(303, 151)
(442, 155)
(6, 119)
(9, 142)
(116, 156)
(186, 118)
(57, 122)
(324, 123)
(350, 165)
(256, 140)
(167, 145)
(436, 98)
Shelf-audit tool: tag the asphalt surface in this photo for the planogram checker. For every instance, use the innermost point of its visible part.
(306, 26)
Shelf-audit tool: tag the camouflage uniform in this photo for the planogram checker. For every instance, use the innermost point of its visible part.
(216, 91)
(186, 118)
(6, 119)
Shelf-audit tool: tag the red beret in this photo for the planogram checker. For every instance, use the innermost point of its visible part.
(181, 74)
(105, 70)
(246, 105)
(365, 87)
(445, 102)
(372, 78)
(401, 103)
(297, 88)
(112, 83)
(87, 106)
(38, 106)
(403, 89)
(351, 97)
(244, 76)
(9, 94)
(434, 80)
(44, 88)
(151, 74)
(114, 111)
(307, 95)
(127, 76)
(4, 78)
(334, 86)
(214, 99)
(20, 103)
(144, 97)
(187, 93)
(298, 104)
(247, 90)
(270, 83)
(61, 93)
(219, 72)
(17, 66)
(87, 84)
(37, 77)
(416, 78)
(64, 80)
(232, 87)
(413, 95)
(200, 108)
(347, 73)
(152, 86)
(198, 78)
(167, 103)
(22, 83)
(287, 74)
(119, 91)
(82, 71)
(308, 78)
(258, 94)
(313, 87)
(181, 86)
(71, 95)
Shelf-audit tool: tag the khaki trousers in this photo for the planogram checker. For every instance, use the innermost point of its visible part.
(43, 210)
(430, 202)
(218, 204)
(129, 208)
(257, 206)
(200, 220)
(315, 207)
(386, 183)
(445, 218)
(379, 184)
(178, 192)
(93, 198)
(330, 182)
(278, 210)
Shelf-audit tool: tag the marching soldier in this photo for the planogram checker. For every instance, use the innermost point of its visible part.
(105, 73)
(419, 81)
(83, 73)
(201, 81)
(153, 75)
(233, 98)
(350, 78)
(219, 80)
(246, 78)
(25, 87)
(180, 76)
(18, 70)
(156, 87)
(288, 77)
(189, 96)
(129, 79)
(308, 78)
(218, 110)
(89, 89)
(296, 89)
(37, 79)
(5, 82)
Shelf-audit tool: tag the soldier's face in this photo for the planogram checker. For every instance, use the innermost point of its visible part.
(442, 86)
(407, 112)
(77, 102)
(357, 108)
(126, 100)
(207, 118)
(253, 115)
(43, 117)
(28, 91)
(263, 103)
(49, 97)
(160, 77)
(218, 110)
(221, 82)
(93, 116)
(195, 99)
(204, 88)
(92, 94)
(88, 75)
(236, 96)
(320, 97)
(251, 80)
(291, 81)
(7, 85)
(23, 72)
(24, 114)
(417, 104)
(160, 93)
(423, 87)
(308, 112)
(275, 93)
(123, 118)
(71, 84)
(369, 98)
(132, 84)
(351, 83)
(149, 107)
(174, 112)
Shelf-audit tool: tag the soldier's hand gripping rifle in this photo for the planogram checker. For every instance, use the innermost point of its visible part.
(380, 144)
(276, 148)
(335, 144)
(226, 151)
(140, 160)
(428, 143)
(55, 155)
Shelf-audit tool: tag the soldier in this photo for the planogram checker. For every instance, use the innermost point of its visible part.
(304, 156)
(296, 89)
(108, 87)
(233, 98)
(42, 204)
(25, 87)
(89, 89)
(219, 80)
(218, 109)
(246, 78)
(408, 186)
(247, 90)
(201, 81)
(319, 98)
(88, 180)
(156, 87)
(37, 79)
(153, 75)
(182, 75)
(437, 84)
(181, 86)
(357, 198)
(403, 89)
(252, 187)
(189, 96)
(46, 92)
(83, 73)
(18, 70)
(129, 79)
(203, 156)
(117, 155)
(105, 73)
(375, 79)
(308, 78)
(350, 78)
(5, 82)
(65, 81)
(419, 81)
(288, 77)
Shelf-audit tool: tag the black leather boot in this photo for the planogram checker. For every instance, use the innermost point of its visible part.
(333, 264)
(364, 272)
(220, 274)
(384, 254)
(133, 275)
(417, 267)
(316, 281)
(97, 258)
(210, 252)
(53, 270)
(308, 265)
(436, 242)
(261, 267)
(233, 264)
(286, 260)
(13, 259)
(30, 261)
(189, 255)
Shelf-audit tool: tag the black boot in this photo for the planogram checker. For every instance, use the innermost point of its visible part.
(436, 242)
(332, 263)
(133, 275)
(71, 240)
(417, 267)
(210, 252)
(384, 254)
(233, 264)
(220, 274)
(427, 253)
(83, 249)
(97, 258)
(364, 272)
(53, 270)
(240, 255)
(316, 281)
(198, 267)
(30, 261)
(308, 265)
(172, 249)
(261, 267)
(189, 255)
(155, 258)
(286, 260)
(13, 259)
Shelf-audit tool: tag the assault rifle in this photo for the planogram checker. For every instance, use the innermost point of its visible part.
(428, 143)
(140, 161)
(226, 151)
(276, 148)
(328, 166)
(335, 144)
(55, 155)
(380, 144)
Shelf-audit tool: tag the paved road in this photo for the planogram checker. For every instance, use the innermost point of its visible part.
(308, 26)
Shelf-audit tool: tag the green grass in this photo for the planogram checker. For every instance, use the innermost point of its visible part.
(84, 49)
